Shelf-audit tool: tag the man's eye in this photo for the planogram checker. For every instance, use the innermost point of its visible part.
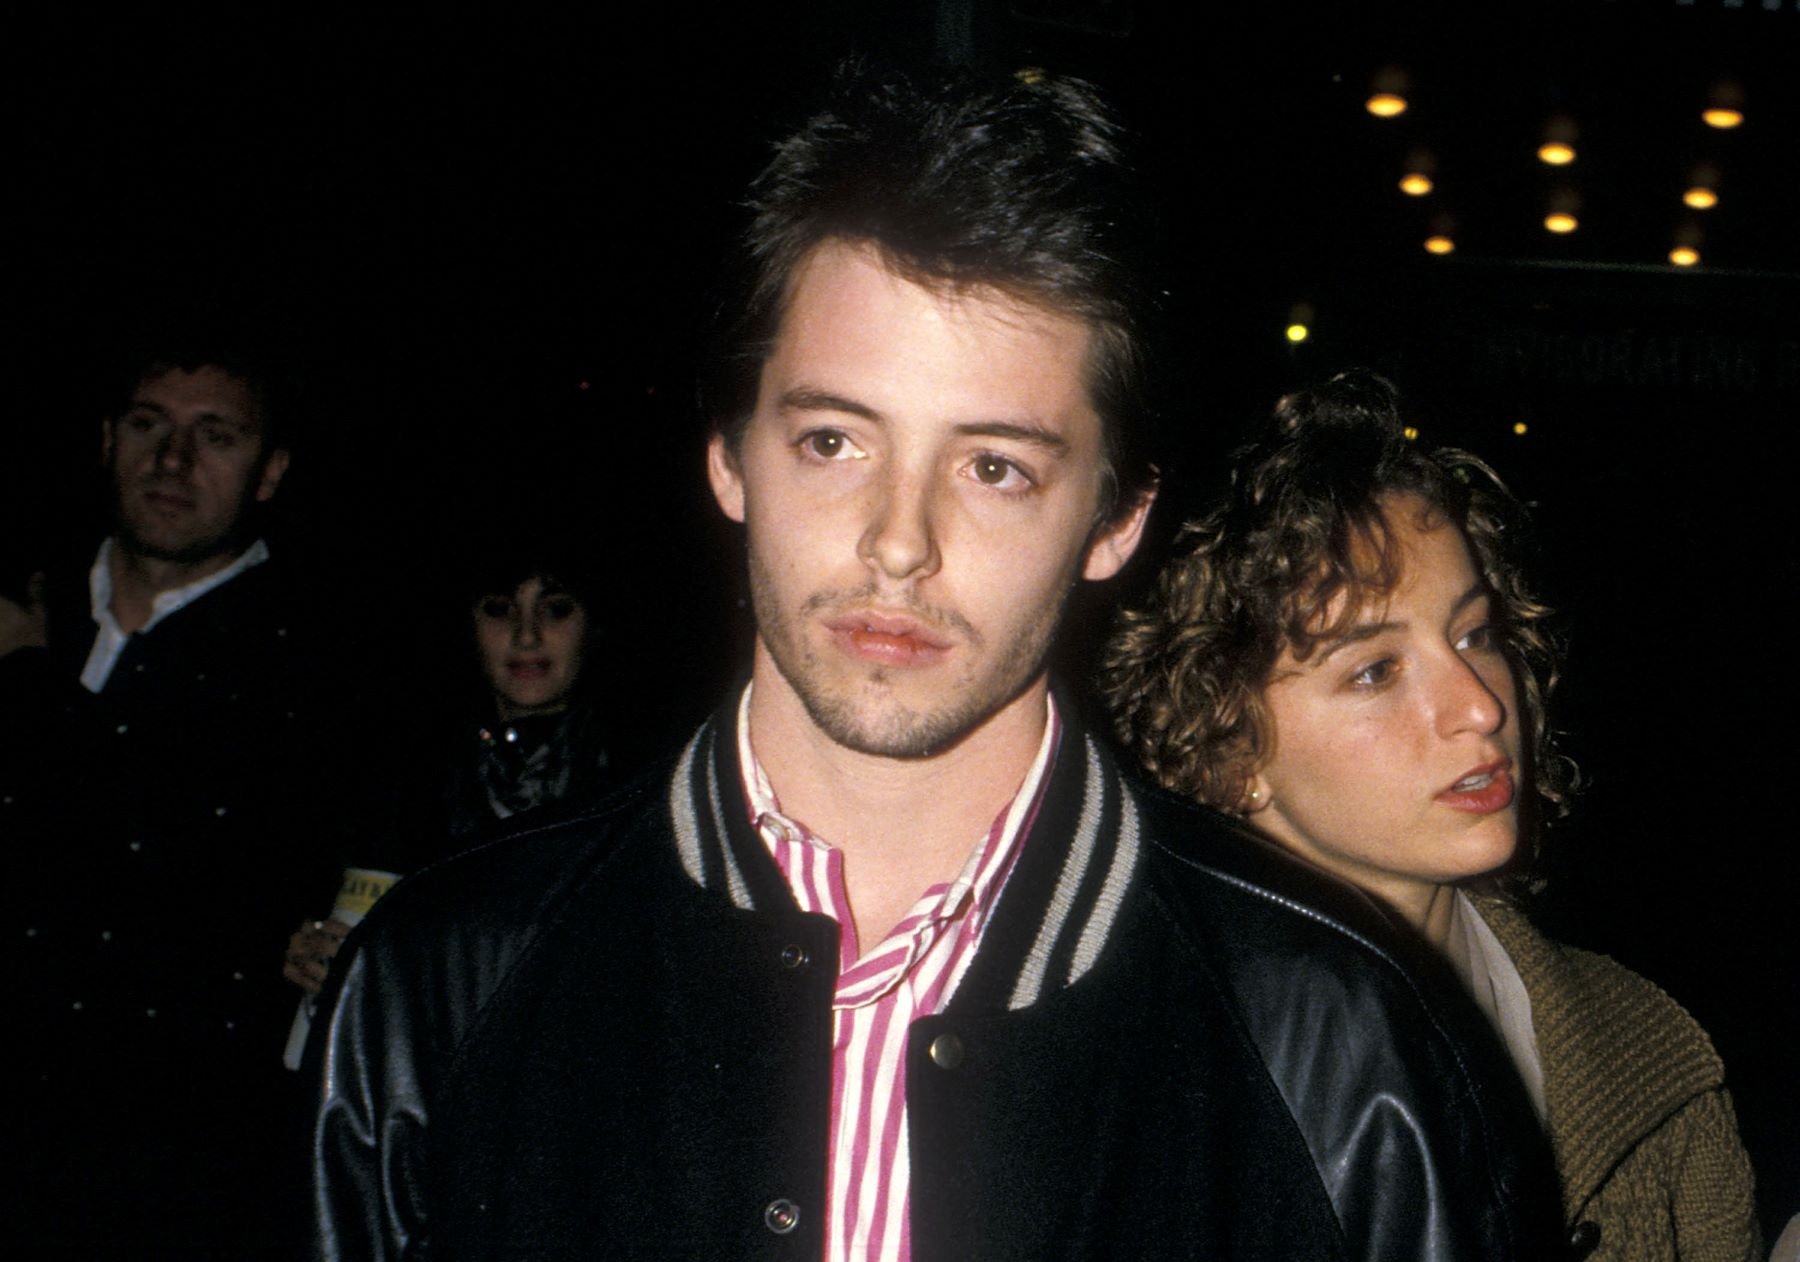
(497, 608)
(559, 608)
(222, 439)
(829, 444)
(999, 472)
(141, 422)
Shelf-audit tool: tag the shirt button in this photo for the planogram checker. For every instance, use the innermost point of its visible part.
(781, 1216)
(794, 956)
(946, 1051)
(1584, 1239)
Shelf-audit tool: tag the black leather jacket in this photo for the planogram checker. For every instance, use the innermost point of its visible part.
(611, 1038)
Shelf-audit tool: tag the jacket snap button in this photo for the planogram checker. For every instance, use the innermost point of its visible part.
(793, 957)
(781, 1216)
(1584, 1238)
(946, 1051)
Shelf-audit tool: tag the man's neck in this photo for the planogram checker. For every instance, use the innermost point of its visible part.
(902, 824)
(137, 580)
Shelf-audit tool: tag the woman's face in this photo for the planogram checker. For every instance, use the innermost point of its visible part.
(1397, 748)
(530, 642)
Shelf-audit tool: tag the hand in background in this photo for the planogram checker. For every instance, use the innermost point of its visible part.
(310, 951)
(24, 626)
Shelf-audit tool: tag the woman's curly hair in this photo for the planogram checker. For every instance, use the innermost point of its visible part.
(1299, 545)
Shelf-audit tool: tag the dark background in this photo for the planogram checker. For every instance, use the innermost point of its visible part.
(486, 242)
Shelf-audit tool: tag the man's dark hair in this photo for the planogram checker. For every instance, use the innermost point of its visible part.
(245, 364)
(1017, 183)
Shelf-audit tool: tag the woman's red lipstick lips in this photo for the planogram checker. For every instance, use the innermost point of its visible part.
(1482, 790)
(883, 638)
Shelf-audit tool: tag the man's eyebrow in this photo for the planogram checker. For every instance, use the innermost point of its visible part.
(1356, 635)
(807, 399)
(1046, 440)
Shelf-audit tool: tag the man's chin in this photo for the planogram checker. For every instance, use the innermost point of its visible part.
(176, 550)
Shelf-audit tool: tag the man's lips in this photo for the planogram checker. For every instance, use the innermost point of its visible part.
(528, 668)
(887, 638)
(1482, 790)
(168, 500)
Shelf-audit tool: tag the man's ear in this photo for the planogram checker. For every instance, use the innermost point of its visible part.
(106, 440)
(1115, 541)
(726, 478)
(273, 469)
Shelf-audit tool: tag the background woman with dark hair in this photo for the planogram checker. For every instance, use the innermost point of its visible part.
(1345, 653)
(533, 738)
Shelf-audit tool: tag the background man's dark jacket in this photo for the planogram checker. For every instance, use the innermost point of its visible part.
(174, 832)
(611, 1037)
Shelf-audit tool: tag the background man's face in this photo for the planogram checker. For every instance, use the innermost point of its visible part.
(919, 480)
(187, 459)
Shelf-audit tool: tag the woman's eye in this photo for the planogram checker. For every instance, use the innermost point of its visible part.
(1480, 640)
(495, 607)
(829, 444)
(1375, 674)
(559, 608)
(999, 472)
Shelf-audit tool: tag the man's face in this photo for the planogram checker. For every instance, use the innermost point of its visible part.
(186, 459)
(919, 480)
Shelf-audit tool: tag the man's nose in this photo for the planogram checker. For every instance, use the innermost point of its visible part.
(900, 541)
(176, 451)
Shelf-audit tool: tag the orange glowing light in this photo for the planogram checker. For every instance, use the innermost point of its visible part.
(1386, 105)
(1439, 245)
(1555, 153)
(1723, 119)
(1700, 198)
(1684, 256)
(1416, 185)
(1561, 223)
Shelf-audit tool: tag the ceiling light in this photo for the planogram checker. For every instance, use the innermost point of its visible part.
(1387, 93)
(1519, 427)
(1724, 105)
(1700, 198)
(1415, 184)
(1298, 333)
(1556, 153)
(1684, 256)
(1561, 222)
(1439, 244)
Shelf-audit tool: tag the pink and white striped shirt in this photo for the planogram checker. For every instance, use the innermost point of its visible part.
(910, 973)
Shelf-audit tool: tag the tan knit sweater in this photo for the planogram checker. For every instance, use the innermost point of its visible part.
(1639, 1118)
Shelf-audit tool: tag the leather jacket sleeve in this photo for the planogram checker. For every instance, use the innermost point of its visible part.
(369, 1141)
(1418, 1126)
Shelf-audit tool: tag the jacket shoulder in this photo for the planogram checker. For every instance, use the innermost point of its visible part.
(1391, 1073)
(502, 891)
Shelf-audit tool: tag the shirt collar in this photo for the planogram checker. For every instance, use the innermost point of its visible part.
(989, 860)
(100, 585)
